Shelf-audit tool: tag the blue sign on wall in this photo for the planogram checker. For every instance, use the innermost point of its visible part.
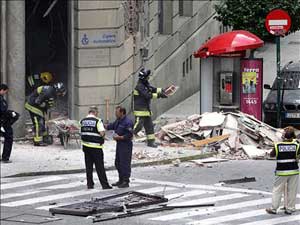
(98, 38)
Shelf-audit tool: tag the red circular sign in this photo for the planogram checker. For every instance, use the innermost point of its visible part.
(278, 22)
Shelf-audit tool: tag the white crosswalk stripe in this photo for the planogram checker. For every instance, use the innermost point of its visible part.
(190, 213)
(274, 221)
(21, 194)
(49, 198)
(188, 194)
(64, 190)
(31, 182)
(231, 217)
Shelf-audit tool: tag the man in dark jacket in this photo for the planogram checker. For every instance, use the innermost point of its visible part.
(39, 101)
(143, 93)
(123, 128)
(7, 119)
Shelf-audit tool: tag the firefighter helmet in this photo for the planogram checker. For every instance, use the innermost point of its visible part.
(60, 88)
(144, 74)
(46, 77)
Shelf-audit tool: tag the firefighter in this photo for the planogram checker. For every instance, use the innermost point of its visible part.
(7, 119)
(92, 138)
(143, 93)
(38, 103)
(287, 171)
(38, 80)
(123, 128)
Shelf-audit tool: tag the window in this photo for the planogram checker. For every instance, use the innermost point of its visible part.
(191, 62)
(165, 16)
(185, 7)
(183, 69)
(187, 65)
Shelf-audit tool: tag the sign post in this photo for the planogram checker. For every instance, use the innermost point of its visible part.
(278, 23)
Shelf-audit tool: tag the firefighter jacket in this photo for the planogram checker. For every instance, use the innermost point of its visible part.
(35, 81)
(286, 155)
(143, 93)
(40, 100)
(91, 127)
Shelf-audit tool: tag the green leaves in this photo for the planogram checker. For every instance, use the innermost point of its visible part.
(250, 14)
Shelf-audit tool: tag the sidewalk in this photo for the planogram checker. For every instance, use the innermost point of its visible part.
(28, 160)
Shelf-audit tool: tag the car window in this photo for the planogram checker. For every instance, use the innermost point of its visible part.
(291, 81)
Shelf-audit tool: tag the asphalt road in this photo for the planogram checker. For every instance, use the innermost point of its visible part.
(242, 203)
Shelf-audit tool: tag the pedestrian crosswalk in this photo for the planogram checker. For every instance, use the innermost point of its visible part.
(232, 205)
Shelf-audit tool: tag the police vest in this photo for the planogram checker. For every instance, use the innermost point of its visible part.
(286, 155)
(90, 136)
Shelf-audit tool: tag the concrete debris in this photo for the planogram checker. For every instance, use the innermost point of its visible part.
(214, 119)
(231, 135)
(176, 162)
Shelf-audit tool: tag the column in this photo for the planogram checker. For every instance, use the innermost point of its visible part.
(15, 29)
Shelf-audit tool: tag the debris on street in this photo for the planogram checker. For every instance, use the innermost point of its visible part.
(121, 205)
(242, 180)
(233, 135)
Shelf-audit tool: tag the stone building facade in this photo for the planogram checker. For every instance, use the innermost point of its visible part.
(108, 42)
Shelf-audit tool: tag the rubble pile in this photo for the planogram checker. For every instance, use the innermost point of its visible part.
(232, 135)
(63, 125)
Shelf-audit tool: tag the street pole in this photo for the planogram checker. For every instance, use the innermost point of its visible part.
(278, 81)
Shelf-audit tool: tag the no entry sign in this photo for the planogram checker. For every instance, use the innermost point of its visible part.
(278, 22)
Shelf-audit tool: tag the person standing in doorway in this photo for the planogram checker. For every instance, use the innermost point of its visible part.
(123, 128)
(287, 171)
(38, 103)
(92, 139)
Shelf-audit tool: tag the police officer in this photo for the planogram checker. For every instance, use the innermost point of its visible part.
(143, 93)
(39, 101)
(123, 128)
(92, 138)
(287, 171)
(36, 80)
(7, 118)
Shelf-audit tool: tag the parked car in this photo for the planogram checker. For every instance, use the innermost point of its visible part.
(290, 97)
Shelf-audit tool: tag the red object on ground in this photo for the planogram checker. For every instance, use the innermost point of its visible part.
(278, 22)
(230, 44)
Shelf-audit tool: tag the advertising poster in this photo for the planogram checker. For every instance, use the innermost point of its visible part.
(251, 87)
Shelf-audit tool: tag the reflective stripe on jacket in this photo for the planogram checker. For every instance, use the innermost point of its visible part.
(286, 155)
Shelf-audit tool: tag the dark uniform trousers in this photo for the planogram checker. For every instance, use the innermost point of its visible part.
(39, 127)
(94, 156)
(8, 141)
(6, 122)
(146, 122)
(123, 160)
(123, 127)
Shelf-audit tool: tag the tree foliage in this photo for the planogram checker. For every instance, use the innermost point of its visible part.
(250, 14)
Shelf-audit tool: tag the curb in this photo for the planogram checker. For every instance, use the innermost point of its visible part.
(142, 164)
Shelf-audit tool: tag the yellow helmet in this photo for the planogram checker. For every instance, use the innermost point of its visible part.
(46, 77)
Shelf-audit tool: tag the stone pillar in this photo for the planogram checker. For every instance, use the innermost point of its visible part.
(3, 42)
(16, 60)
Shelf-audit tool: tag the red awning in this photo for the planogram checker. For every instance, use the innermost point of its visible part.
(233, 43)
